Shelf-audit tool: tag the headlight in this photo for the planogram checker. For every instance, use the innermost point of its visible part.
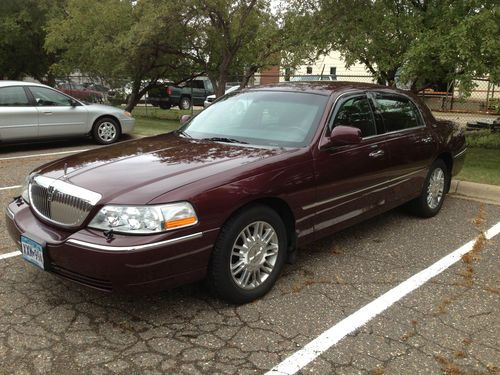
(145, 219)
(25, 188)
(127, 114)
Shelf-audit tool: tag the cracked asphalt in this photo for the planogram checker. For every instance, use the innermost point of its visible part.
(450, 325)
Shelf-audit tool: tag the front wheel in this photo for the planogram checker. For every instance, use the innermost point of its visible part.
(433, 193)
(106, 131)
(248, 255)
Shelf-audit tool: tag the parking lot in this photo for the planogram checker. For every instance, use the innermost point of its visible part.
(447, 325)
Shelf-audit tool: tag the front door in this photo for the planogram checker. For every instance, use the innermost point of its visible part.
(58, 117)
(350, 180)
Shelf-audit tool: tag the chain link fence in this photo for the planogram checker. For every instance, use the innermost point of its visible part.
(447, 101)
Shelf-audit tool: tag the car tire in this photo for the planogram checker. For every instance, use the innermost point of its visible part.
(241, 268)
(106, 130)
(185, 103)
(434, 190)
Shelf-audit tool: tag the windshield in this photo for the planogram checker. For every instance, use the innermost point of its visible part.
(268, 118)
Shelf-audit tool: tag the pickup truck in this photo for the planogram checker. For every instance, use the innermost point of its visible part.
(193, 92)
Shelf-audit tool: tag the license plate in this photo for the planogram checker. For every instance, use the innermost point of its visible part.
(32, 251)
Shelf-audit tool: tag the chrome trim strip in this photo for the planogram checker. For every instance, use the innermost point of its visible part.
(403, 177)
(460, 153)
(66, 188)
(138, 247)
(10, 214)
(401, 131)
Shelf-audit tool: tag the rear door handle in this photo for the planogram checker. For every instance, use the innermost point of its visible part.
(376, 154)
(47, 113)
(426, 140)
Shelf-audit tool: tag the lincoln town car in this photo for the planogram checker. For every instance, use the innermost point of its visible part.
(231, 195)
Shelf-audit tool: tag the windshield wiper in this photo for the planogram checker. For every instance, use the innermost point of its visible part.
(224, 139)
(184, 134)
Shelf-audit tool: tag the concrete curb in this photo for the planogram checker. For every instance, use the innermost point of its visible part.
(472, 190)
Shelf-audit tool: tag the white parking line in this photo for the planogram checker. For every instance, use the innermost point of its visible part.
(333, 335)
(47, 154)
(10, 255)
(10, 187)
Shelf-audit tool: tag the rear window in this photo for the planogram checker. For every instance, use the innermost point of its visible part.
(13, 97)
(398, 113)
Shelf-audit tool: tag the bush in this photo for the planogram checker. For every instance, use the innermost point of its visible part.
(483, 139)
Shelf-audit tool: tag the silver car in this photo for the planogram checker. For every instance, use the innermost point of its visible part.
(34, 111)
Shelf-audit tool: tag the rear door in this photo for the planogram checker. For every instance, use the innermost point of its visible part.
(350, 179)
(409, 142)
(57, 116)
(18, 115)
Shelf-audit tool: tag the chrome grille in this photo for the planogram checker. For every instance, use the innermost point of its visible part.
(60, 202)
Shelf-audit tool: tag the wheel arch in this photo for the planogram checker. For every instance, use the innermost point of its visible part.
(282, 208)
(100, 117)
(448, 161)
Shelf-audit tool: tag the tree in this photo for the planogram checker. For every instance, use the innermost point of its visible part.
(21, 45)
(142, 41)
(424, 40)
(459, 41)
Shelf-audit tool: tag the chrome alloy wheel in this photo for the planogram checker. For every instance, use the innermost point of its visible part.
(106, 131)
(435, 189)
(254, 255)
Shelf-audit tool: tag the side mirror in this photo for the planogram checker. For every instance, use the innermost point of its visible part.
(185, 118)
(73, 102)
(342, 136)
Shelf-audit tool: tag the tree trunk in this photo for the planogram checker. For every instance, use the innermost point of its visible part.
(249, 74)
(136, 95)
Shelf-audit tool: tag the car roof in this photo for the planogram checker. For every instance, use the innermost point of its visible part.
(20, 83)
(322, 87)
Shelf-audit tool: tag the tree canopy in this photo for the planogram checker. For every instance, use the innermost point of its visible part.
(423, 40)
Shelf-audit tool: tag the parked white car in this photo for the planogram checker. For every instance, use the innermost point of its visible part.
(34, 111)
(211, 98)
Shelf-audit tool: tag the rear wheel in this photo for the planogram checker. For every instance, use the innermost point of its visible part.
(106, 131)
(185, 103)
(433, 193)
(248, 255)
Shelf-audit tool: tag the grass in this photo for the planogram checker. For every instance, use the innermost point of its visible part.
(146, 127)
(161, 114)
(484, 139)
(152, 121)
(481, 165)
(482, 162)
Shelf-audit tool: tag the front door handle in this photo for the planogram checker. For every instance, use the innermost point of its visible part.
(426, 140)
(47, 113)
(376, 154)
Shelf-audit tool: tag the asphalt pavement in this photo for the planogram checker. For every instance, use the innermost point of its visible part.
(449, 325)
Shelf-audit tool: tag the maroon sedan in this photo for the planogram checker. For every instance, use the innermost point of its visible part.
(231, 194)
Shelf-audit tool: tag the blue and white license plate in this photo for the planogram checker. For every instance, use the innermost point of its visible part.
(32, 251)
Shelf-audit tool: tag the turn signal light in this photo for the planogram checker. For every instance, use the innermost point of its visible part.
(180, 222)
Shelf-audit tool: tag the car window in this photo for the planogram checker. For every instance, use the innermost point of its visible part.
(196, 84)
(13, 97)
(45, 97)
(262, 118)
(398, 113)
(356, 112)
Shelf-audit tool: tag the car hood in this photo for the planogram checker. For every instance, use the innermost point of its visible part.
(137, 171)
